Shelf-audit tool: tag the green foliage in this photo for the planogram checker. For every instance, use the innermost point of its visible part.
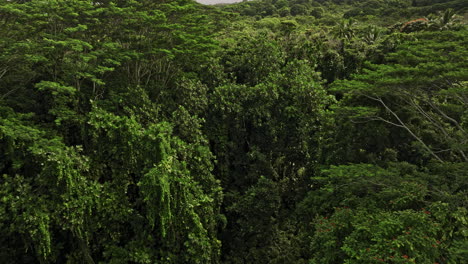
(153, 160)
(418, 92)
(366, 214)
(45, 185)
(267, 131)
(87, 177)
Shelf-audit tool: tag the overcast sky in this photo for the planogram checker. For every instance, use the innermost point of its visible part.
(212, 2)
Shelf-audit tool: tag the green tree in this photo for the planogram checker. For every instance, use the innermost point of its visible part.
(398, 214)
(420, 91)
(93, 168)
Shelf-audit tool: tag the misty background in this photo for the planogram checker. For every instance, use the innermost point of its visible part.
(213, 2)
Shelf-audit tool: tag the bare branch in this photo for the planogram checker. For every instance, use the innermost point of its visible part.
(8, 93)
(388, 122)
(455, 122)
(402, 124)
(3, 72)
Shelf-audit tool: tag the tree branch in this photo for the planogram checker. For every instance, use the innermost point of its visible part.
(402, 124)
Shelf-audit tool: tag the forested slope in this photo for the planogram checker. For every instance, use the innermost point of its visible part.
(260, 132)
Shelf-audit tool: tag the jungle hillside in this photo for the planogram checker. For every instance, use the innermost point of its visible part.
(266, 131)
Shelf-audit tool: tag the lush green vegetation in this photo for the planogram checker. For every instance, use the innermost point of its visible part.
(262, 132)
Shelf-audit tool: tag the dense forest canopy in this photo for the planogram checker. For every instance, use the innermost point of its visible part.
(268, 131)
